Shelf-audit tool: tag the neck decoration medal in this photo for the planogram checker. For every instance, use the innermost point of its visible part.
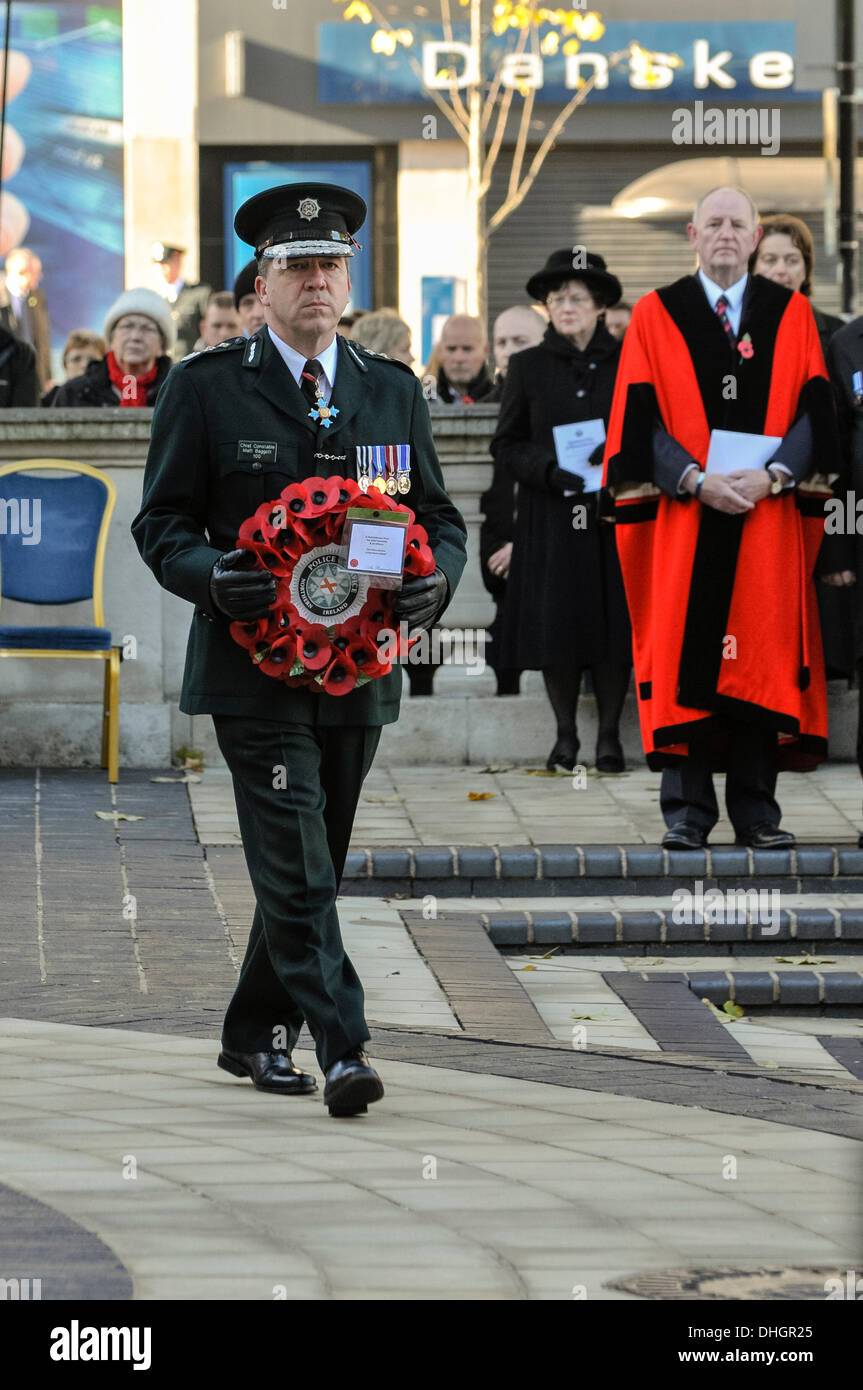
(403, 479)
(321, 412)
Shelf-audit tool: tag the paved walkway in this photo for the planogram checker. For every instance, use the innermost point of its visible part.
(542, 1131)
(513, 806)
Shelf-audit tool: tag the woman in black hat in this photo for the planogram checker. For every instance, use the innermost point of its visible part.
(565, 607)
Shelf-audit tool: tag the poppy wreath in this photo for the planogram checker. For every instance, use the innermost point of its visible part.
(326, 629)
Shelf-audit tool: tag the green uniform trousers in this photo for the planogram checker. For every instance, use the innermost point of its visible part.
(296, 787)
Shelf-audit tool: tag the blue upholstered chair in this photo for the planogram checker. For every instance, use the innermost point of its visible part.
(53, 535)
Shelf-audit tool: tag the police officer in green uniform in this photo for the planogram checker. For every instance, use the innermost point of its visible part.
(188, 302)
(232, 427)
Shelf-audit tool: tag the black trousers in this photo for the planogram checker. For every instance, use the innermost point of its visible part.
(687, 792)
(296, 787)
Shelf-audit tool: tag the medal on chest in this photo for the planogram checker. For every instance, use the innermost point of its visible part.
(384, 466)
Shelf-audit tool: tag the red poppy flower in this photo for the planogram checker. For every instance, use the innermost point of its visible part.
(313, 645)
(249, 635)
(745, 349)
(280, 657)
(363, 652)
(418, 560)
(340, 676)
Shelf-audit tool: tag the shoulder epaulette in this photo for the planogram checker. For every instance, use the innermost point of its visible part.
(229, 345)
(358, 348)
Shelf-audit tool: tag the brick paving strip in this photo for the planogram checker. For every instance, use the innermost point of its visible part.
(70, 1262)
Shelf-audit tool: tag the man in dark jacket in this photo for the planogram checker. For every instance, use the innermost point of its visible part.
(462, 351)
(19, 382)
(233, 427)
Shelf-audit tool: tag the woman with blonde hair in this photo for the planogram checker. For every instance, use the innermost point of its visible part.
(383, 331)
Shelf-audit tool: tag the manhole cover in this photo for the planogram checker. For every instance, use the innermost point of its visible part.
(804, 1281)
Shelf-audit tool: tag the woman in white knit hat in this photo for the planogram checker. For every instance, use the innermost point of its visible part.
(140, 334)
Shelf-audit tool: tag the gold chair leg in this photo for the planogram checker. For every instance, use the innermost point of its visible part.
(114, 717)
(106, 693)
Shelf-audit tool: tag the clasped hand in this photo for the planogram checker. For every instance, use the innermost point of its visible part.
(732, 492)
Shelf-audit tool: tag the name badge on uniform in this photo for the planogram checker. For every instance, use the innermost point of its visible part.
(257, 450)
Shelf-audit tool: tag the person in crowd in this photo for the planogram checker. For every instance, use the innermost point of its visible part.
(81, 348)
(23, 309)
(188, 302)
(515, 329)
(221, 320)
(19, 379)
(139, 331)
(845, 365)
(786, 254)
(383, 331)
(246, 301)
(617, 320)
(463, 377)
(565, 608)
(718, 564)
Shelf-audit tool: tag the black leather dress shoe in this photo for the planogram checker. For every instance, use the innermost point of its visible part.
(270, 1071)
(684, 836)
(765, 836)
(609, 754)
(352, 1085)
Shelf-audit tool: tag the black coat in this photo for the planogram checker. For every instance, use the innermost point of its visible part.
(565, 602)
(19, 383)
(94, 388)
(842, 609)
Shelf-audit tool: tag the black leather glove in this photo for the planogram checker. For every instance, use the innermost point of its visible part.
(560, 481)
(239, 589)
(421, 599)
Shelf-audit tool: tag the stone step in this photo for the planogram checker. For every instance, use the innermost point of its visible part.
(808, 927)
(785, 988)
(596, 870)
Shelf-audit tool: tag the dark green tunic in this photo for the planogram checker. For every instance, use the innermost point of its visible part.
(203, 479)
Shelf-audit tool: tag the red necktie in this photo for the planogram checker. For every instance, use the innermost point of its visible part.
(721, 306)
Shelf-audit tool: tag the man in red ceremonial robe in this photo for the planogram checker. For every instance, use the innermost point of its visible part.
(718, 566)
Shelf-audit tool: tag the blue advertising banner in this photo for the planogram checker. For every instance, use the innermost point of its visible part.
(719, 61)
(242, 181)
(63, 186)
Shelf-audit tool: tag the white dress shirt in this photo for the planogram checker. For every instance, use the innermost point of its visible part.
(734, 295)
(295, 361)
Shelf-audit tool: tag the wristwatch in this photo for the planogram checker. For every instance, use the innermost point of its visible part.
(777, 482)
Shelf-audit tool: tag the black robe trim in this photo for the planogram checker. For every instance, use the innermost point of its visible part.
(634, 462)
(637, 511)
(714, 570)
(715, 360)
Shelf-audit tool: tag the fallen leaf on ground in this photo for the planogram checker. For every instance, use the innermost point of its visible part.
(717, 1013)
(480, 796)
(733, 1010)
(806, 960)
(495, 767)
(527, 967)
(116, 815)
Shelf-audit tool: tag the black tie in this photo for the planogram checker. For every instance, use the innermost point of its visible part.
(309, 381)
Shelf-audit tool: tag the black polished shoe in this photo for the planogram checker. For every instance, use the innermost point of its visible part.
(684, 836)
(765, 836)
(351, 1085)
(563, 756)
(609, 754)
(270, 1071)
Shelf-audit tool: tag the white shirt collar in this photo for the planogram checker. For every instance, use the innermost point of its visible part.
(295, 361)
(734, 293)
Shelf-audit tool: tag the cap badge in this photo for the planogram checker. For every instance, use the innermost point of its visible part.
(309, 209)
